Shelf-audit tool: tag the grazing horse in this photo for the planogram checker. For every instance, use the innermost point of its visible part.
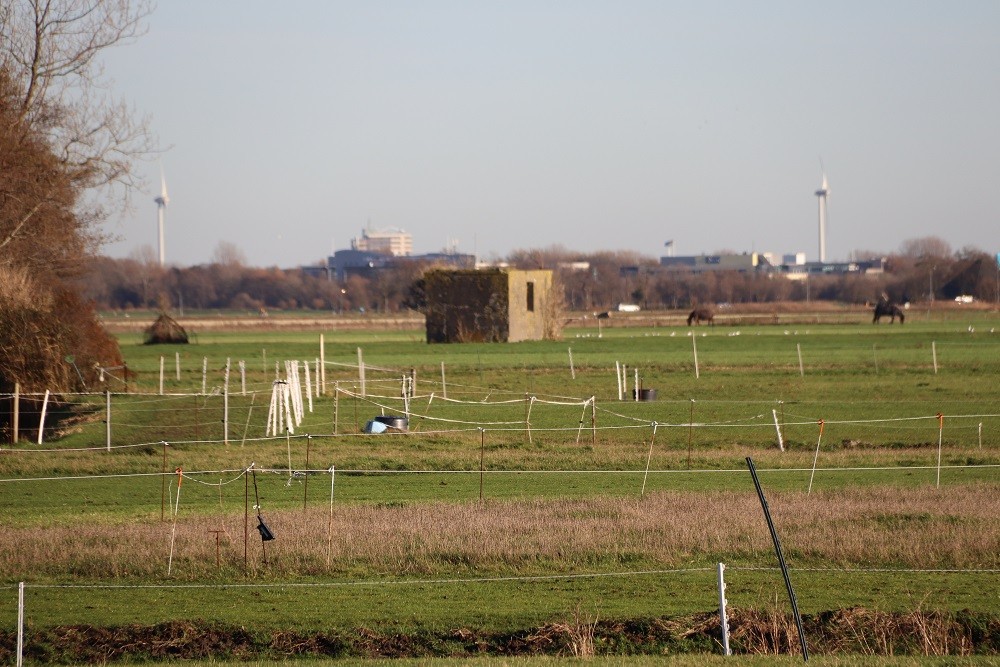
(888, 309)
(699, 315)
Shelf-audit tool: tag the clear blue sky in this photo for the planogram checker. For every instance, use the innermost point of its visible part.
(610, 125)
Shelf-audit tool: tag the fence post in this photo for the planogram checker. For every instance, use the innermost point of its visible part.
(17, 413)
(309, 387)
(722, 610)
(336, 406)
(816, 456)
(940, 418)
(107, 417)
(593, 420)
(305, 477)
(41, 418)
(20, 624)
(690, 432)
(405, 395)
(225, 405)
(321, 376)
(649, 457)
(527, 416)
(361, 373)
(777, 428)
(482, 460)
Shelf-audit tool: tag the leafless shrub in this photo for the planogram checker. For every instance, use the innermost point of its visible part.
(575, 635)
(771, 631)
(766, 631)
(938, 633)
(580, 630)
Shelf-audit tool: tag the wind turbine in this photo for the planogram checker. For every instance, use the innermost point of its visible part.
(821, 196)
(161, 209)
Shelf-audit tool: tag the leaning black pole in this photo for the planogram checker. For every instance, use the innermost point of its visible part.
(781, 559)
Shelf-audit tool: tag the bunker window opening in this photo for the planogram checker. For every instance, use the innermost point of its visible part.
(531, 297)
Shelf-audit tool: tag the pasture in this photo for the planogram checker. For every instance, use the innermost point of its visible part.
(529, 496)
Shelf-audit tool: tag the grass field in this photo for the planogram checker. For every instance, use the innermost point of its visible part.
(524, 490)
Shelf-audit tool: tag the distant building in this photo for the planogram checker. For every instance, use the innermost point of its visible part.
(344, 263)
(377, 250)
(793, 266)
(395, 242)
(872, 267)
(745, 263)
(574, 266)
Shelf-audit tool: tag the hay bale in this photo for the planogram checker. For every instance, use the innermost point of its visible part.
(165, 330)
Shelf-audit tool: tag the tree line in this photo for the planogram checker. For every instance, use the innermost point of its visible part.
(920, 270)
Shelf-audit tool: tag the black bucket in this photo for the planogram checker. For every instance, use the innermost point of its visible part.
(392, 421)
(644, 395)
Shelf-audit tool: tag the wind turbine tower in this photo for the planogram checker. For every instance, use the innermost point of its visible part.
(161, 210)
(821, 195)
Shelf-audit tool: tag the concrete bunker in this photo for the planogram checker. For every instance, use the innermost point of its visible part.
(493, 305)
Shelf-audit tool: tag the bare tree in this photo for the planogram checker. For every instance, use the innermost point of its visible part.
(925, 246)
(50, 51)
(228, 253)
(63, 140)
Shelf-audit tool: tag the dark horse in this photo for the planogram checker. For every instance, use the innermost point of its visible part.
(885, 308)
(699, 315)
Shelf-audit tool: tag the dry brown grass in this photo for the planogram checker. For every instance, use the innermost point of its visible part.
(863, 527)
(770, 630)
(575, 635)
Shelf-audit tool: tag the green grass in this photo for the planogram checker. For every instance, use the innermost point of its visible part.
(61, 501)
(875, 388)
(401, 604)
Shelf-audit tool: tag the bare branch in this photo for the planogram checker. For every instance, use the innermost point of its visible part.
(49, 49)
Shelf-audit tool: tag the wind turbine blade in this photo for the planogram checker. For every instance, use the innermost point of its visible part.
(163, 187)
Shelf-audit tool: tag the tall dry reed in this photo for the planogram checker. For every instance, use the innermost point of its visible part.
(953, 527)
